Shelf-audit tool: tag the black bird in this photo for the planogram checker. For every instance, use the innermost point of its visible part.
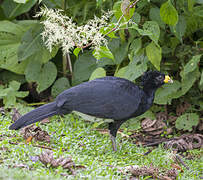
(108, 97)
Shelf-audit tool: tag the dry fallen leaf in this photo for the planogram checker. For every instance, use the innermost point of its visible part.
(47, 158)
(36, 133)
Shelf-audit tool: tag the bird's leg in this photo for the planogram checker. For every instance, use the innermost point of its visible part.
(113, 140)
(113, 128)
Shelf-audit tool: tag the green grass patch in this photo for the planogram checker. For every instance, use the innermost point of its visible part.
(72, 136)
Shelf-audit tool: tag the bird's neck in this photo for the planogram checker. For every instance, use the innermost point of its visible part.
(149, 91)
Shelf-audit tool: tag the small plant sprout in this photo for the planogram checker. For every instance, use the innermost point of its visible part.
(60, 30)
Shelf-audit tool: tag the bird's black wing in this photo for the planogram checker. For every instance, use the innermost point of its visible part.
(110, 97)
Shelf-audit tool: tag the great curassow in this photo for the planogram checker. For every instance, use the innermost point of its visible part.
(108, 97)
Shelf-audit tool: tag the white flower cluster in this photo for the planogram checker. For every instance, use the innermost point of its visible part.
(60, 30)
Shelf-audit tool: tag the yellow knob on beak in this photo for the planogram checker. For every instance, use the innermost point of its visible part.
(168, 79)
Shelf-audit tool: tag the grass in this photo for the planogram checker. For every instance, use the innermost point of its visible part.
(71, 136)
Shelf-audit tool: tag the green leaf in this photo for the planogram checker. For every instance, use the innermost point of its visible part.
(136, 45)
(30, 43)
(134, 69)
(119, 50)
(121, 72)
(9, 94)
(103, 51)
(47, 76)
(83, 68)
(180, 28)
(153, 27)
(21, 94)
(166, 93)
(191, 65)
(187, 121)
(136, 18)
(154, 54)
(188, 80)
(14, 85)
(10, 35)
(98, 73)
(59, 86)
(145, 32)
(77, 51)
(32, 71)
(12, 9)
(154, 15)
(43, 75)
(168, 13)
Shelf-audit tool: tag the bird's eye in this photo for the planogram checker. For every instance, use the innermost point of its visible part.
(160, 78)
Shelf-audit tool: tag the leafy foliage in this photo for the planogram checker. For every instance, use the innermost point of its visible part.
(10, 93)
(187, 121)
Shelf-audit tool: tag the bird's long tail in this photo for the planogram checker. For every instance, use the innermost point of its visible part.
(35, 115)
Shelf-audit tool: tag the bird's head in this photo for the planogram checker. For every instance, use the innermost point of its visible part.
(155, 79)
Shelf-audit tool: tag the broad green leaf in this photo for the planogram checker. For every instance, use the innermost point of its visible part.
(153, 27)
(136, 18)
(188, 80)
(59, 86)
(43, 75)
(98, 73)
(14, 85)
(121, 72)
(154, 54)
(102, 52)
(191, 65)
(11, 28)
(47, 76)
(168, 13)
(9, 100)
(187, 121)
(12, 9)
(32, 71)
(9, 94)
(30, 43)
(154, 15)
(83, 68)
(134, 69)
(145, 32)
(136, 45)
(10, 35)
(180, 28)
(21, 94)
(119, 50)
(165, 94)
(7, 76)
(76, 51)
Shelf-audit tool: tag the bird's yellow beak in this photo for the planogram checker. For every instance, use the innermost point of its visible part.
(168, 79)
